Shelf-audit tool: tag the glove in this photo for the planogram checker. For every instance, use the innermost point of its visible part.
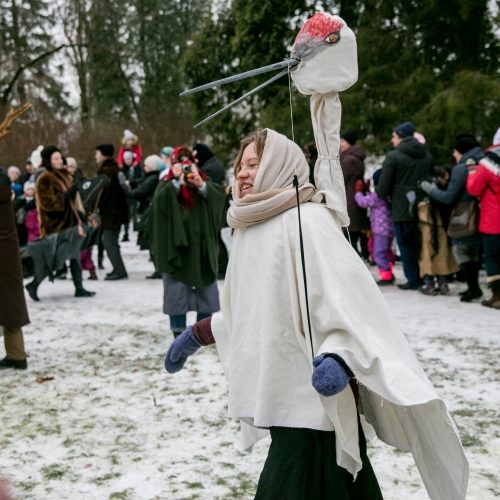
(427, 186)
(359, 187)
(182, 347)
(329, 376)
(70, 193)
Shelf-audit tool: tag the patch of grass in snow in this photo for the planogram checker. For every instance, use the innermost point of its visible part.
(105, 478)
(55, 471)
(468, 440)
(25, 485)
(196, 485)
(120, 495)
(244, 487)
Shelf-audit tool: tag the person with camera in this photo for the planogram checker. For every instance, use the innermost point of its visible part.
(466, 249)
(183, 234)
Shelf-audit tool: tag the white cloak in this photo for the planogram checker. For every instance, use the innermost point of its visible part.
(263, 342)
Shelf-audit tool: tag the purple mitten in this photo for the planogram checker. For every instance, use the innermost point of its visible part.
(182, 347)
(329, 376)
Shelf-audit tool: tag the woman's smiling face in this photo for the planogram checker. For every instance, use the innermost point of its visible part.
(248, 169)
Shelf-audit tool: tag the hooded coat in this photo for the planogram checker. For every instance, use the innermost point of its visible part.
(353, 168)
(403, 167)
(13, 312)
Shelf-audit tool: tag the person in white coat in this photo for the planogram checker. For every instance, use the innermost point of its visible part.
(364, 377)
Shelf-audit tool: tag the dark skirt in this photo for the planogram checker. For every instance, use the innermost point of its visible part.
(301, 465)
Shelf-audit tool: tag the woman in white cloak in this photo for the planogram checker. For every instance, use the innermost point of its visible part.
(363, 369)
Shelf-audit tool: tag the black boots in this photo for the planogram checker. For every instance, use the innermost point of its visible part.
(76, 274)
(93, 275)
(471, 272)
(32, 288)
(12, 363)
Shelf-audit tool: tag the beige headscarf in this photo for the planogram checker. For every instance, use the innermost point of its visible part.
(273, 192)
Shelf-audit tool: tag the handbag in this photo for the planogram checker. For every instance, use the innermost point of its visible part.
(463, 219)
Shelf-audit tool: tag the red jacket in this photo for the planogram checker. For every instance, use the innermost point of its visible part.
(485, 183)
(137, 155)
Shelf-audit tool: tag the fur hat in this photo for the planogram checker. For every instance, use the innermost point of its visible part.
(464, 142)
(46, 154)
(129, 136)
(106, 150)
(406, 129)
(153, 162)
(36, 157)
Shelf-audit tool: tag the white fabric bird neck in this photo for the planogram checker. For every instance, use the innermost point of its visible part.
(273, 192)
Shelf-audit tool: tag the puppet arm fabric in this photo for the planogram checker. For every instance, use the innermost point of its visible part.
(330, 375)
(187, 343)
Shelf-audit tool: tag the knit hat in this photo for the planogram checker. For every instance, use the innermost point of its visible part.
(46, 154)
(28, 185)
(128, 135)
(376, 176)
(202, 153)
(420, 137)
(350, 136)
(464, 142)
(36, 157)
(106, 149)
(153, 162)
(406, 129)
(167, 151)
(12, 169)
(128, 155)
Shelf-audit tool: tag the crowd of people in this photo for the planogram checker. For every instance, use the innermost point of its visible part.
(445, 219)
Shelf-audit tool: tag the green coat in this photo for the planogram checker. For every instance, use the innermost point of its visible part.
(184, 241)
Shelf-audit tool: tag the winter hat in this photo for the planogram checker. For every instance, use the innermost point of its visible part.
(406, 129)
(153, 162)
(376, 176)
(46, 154)
(13, 169)
(180, 153)
(28, 185)
(464, 142)
(36, 157)
(496, 138)
(128, 135)
(106, 149)
(167, 151)
(350, 136)
(128, 155)
(420, 137)
(202, 153)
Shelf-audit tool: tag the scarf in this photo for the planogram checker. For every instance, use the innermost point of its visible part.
(273, 192)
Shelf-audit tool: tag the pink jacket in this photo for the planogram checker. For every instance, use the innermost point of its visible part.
(485, 183)
(137, 158)
(32, 224)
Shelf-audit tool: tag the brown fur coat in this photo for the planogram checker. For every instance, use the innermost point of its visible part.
(54, 214)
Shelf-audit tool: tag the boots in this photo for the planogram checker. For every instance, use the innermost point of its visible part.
(494, 300)
(21, 364)
(32, 288)
(93, 275)
(471, 272)
(442, 285)
(386, 277)
(76, 275)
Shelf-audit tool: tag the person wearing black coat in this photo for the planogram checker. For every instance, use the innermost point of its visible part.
(352, 157)
(403, 167)
(13, 311)
(113, 210)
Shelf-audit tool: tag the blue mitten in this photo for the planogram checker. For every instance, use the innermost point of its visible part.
(329, 376)
(182, 347)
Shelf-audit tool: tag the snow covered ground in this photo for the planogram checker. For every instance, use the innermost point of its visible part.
(113, 425)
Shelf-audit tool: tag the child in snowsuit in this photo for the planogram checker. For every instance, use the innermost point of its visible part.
(31, 218)
(381, 226)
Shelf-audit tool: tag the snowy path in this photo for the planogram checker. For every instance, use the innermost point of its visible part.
(113, 425)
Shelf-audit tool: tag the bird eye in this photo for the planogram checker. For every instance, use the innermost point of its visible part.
(332, 38)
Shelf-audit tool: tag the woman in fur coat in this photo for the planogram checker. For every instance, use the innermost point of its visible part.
(55, 194)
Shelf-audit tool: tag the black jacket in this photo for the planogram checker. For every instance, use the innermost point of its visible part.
(113, 206)
(144, 192)
(403, 167)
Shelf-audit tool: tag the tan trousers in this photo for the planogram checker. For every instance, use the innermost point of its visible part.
(14, 343)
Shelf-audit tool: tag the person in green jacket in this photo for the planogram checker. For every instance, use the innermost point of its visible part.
(183, 235)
